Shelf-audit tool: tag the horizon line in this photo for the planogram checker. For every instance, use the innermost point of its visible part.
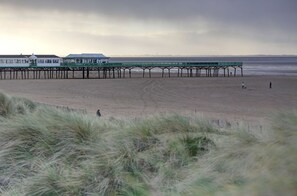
(170, 55)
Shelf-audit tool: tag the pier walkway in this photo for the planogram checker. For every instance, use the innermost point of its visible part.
(124, 70)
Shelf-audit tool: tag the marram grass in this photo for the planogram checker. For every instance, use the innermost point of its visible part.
(50, 151)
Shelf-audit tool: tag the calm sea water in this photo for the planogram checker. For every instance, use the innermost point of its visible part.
(257, 65)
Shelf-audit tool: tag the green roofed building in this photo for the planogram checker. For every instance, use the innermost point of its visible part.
(86, 58)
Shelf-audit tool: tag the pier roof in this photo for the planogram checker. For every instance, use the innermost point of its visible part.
(86, 56)
(28, 55)
(46, 56)
(14, 56)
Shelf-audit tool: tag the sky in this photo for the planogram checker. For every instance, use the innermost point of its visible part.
(149, 27)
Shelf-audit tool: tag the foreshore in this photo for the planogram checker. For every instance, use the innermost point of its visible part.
(217, 97)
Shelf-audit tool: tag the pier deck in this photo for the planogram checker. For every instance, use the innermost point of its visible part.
(123, 70)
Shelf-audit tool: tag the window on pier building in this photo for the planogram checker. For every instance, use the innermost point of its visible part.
(40, 60)
(17, 60)
(48, 61)
(55, 61)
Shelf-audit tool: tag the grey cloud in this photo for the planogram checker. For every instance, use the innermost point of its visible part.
(263, 20)
(239, 11)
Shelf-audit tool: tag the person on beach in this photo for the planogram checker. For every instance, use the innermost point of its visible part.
(242, 85)
(98, 113)
(270, 85)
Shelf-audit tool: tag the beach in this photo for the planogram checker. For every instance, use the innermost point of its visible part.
(216, 97)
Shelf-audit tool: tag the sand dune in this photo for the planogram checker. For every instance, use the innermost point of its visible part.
(136, 97)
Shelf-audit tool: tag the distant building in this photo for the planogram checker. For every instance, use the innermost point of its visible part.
(47, 60)
(86, 58)
(50, 60)
(29, 60)
(14, 61)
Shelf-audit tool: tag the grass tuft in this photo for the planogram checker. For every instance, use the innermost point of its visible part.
(197, 145)
(12, 106)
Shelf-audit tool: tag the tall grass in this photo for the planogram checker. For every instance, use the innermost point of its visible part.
(10, 106)
(50, 151)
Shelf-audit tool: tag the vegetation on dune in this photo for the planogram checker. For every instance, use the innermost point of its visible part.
(10, 106)
(50, 151)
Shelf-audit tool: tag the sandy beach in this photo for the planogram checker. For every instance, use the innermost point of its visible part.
(139, 97)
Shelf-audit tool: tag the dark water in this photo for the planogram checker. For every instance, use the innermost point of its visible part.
(252, 65)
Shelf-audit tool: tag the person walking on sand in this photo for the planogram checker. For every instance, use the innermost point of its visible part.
(270, 85)
(242, 85)
(98, 113)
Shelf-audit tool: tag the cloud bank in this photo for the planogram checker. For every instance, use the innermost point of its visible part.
(190, 27)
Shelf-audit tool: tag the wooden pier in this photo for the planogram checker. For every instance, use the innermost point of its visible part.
(125, 70)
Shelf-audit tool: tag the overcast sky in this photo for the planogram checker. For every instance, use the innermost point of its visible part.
(151, 27)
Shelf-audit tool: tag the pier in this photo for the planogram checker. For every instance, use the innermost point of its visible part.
(124, 70)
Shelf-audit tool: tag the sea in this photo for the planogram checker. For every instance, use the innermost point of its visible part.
(252, 65)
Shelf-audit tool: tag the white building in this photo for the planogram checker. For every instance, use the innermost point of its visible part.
(46, 60)
(14, 61)
(89, 58)
(29, 60)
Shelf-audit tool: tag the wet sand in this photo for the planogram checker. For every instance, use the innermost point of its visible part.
(139, 97)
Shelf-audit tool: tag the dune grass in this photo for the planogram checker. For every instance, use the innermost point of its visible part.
(50, 151)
